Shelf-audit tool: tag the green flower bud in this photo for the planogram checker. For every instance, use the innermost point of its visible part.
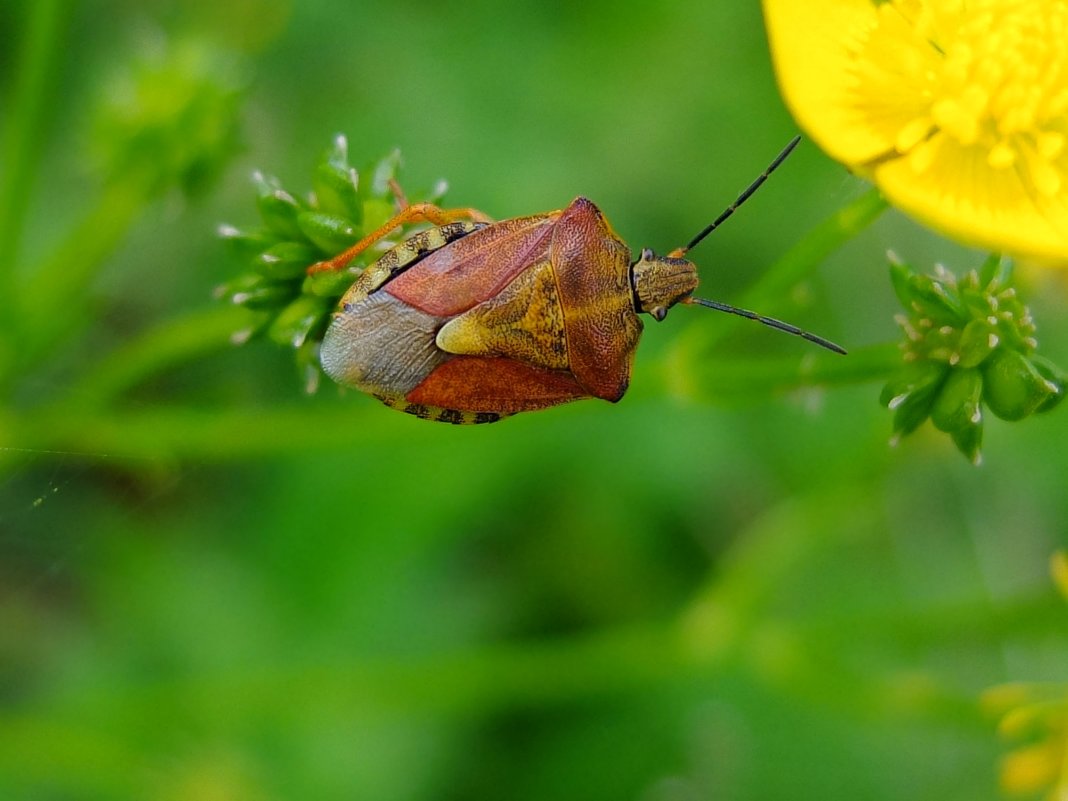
(1013, 387)
(328, 232)
(173, 119)
(957, 404)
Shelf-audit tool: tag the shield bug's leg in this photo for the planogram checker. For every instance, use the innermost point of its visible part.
(414, 213)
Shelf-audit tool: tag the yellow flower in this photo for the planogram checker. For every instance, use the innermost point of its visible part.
(956, 109)
(1058, 567)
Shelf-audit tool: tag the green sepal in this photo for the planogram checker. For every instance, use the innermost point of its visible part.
(257, 324)
(308, 365)
(285, 260)
(977, 342)
(264, 294)
(900, 273)
(957, 404)
(376, 213)
(995, 271)
(337, 184)
(246, 245)
(911, 395)
(913, 378)
(934, 300)
(330, 284)
(298, 321)
(969, 441)
(328, 232)
(278, 208)
(1013, 387)
(384, 172)
(1056, 376)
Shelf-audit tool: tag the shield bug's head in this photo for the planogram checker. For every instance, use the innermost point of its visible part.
(659, 282)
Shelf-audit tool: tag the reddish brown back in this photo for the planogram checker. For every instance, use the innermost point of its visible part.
(473, 269)
(593, 271)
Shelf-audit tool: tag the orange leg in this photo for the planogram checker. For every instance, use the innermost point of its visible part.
(415, 213)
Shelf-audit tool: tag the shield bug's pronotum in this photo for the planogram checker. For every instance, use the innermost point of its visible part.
(472, 320)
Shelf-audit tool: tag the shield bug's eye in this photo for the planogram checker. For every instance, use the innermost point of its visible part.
(659, 313)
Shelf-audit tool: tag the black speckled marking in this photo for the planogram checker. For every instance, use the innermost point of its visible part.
(486, 417)
(419, 410)
(450, 416)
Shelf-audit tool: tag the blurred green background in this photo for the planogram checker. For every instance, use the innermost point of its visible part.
(213, 586)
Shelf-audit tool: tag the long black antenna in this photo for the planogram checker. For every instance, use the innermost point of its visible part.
(779, 159)
(769, 321)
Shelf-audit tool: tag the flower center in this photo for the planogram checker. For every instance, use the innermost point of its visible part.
(989, 74)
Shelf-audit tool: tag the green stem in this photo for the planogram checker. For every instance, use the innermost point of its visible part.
(171, 343)
(27, 112)
(53, 300)
(802, 259)
(792, 268)
(691, 346)
(731, 379)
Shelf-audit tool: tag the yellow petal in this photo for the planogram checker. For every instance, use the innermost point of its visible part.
(1058, 567)
(961, 194)
(1030, 769)
(812, 45)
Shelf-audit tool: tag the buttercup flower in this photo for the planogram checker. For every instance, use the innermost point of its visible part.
(958, 111)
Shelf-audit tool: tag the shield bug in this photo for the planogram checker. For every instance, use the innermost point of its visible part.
(472, 320)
